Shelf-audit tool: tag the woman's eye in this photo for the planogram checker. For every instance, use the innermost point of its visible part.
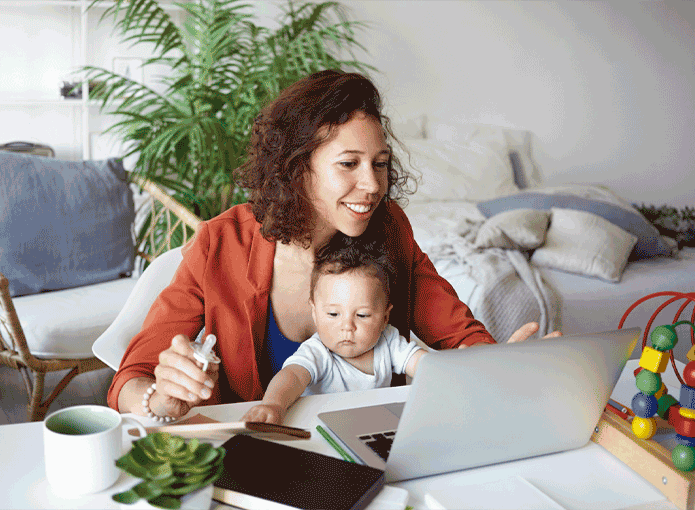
(348, 164)
(382, 164)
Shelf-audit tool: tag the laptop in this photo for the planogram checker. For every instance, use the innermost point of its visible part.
(489, 404)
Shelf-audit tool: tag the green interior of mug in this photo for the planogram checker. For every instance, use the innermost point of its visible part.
(80, 421)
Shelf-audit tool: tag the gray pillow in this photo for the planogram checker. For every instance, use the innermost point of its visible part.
(63, 224)
(649, 241)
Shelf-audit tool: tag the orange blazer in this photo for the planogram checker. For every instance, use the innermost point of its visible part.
(223, 283)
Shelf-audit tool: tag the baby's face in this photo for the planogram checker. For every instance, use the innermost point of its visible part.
(350, 312)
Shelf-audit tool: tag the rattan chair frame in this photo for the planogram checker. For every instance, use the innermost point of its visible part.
(14, 351)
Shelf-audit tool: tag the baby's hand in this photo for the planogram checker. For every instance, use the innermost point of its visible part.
(265, 413)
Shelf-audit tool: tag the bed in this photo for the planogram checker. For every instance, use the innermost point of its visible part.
(589, 253)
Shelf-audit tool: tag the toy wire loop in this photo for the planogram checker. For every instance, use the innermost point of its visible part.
(689, 297)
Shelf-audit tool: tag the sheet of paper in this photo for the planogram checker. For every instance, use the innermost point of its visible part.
(588, 477)
(511, 493)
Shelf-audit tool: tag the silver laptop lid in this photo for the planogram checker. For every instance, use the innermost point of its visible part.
(497, 403)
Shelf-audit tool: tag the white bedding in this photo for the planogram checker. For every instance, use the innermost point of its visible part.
(451, 185)
(435, 219)
(500, 286)
(586, 304)
(592, 305)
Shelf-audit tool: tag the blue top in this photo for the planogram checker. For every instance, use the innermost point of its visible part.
(278, 346)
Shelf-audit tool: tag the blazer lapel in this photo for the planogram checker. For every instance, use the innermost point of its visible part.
(259, 275)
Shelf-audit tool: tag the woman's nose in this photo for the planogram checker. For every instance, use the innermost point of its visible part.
(370, 180)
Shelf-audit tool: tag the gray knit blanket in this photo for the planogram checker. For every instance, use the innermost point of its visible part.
(511, 291)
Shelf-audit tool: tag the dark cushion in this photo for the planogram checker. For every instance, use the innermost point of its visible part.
(63, 224)
(649, 241)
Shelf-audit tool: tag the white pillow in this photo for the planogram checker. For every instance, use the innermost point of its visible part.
(518, 142)
(584, 243)
(452, 171)
(518, 229)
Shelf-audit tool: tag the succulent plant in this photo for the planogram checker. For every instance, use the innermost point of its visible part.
(170, 468)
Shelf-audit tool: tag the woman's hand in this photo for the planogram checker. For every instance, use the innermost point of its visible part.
(523, 333)
(528, 329)
(265, 413)
(181, 382)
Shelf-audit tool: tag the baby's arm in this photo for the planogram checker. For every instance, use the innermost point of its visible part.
(284, 389)
(411, 366)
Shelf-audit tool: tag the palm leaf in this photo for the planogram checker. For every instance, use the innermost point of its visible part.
(190, 128)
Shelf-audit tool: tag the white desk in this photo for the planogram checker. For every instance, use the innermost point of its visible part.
(586, 478)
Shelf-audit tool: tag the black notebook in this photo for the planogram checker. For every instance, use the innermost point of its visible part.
(260, 474)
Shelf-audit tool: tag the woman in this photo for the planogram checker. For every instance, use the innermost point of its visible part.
(319, 167)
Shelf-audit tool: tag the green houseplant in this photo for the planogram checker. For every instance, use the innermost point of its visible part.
(221, 66)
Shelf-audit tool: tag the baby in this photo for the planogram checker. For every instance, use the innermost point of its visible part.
(354, 347)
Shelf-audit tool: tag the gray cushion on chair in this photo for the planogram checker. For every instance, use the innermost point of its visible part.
(63, 224)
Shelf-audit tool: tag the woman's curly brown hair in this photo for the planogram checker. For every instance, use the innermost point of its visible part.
(285, 134)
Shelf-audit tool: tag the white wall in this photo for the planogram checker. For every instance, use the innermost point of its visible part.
(607, 87)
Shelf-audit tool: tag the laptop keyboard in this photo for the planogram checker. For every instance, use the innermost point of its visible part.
(380, 443)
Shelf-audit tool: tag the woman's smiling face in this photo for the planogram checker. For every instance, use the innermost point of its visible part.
(348, 178)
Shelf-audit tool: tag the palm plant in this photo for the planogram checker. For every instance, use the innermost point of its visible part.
(221, 68)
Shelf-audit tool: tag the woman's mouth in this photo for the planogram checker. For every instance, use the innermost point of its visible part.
(359, 208)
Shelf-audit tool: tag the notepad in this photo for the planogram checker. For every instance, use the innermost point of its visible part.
(260, 474)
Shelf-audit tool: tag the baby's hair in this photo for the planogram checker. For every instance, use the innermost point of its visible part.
(338, 257)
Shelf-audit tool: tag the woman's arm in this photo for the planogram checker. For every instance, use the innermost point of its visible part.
(424, 302)
(283, 391)
(177, 311)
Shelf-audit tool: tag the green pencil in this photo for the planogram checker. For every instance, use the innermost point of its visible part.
(334, 444)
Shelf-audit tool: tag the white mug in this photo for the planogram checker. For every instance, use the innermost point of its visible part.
(81, 446)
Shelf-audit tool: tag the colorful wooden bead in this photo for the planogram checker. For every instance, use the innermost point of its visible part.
(684, 426)
(691, 353)
(662, 391)
(653, 360)
(644, 406)
(644, 428)
(684, 440)
(687, 396)
(648, 382)
(664, 338)
(672, 415)
(683, 457)
(686, 412)
(689, 373)
(664, 404)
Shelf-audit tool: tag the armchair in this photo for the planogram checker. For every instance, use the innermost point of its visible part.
(54, 330)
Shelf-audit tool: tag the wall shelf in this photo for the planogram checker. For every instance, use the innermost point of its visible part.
(41, 102)
(56, 38)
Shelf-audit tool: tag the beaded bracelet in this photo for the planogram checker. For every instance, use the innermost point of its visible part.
(146, 406)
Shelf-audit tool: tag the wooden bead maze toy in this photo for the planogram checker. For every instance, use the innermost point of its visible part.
(628, 435)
